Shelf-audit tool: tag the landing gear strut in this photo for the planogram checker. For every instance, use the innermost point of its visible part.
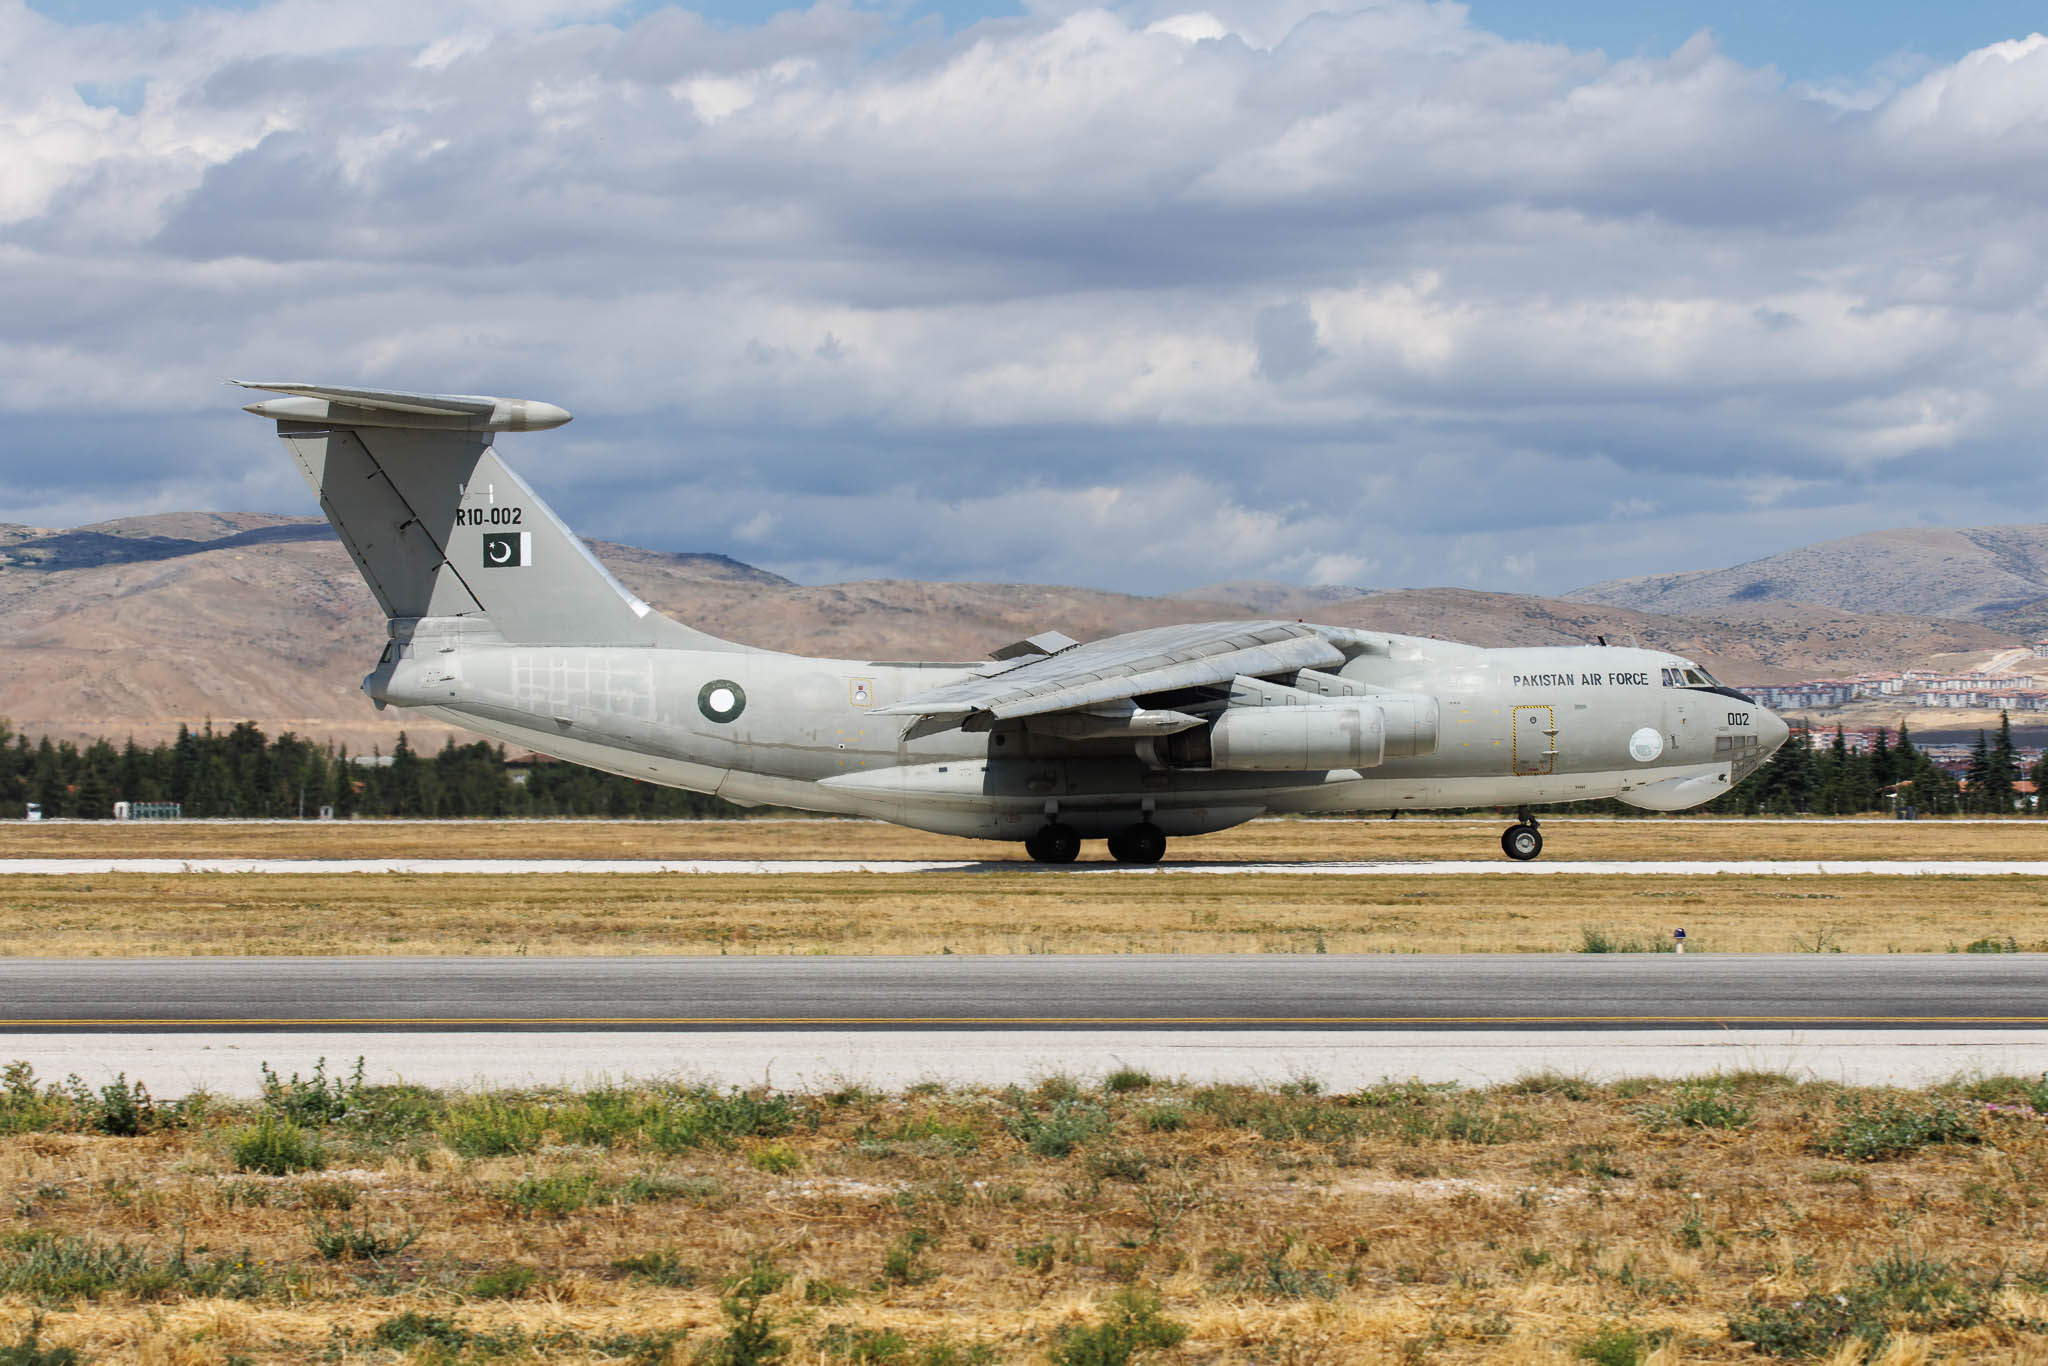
(1056, 843)
(1522, 841)
(1140, 843)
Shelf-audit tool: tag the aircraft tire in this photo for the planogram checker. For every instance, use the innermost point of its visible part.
(1140, 843)
(1521, 842)
(1056, 843)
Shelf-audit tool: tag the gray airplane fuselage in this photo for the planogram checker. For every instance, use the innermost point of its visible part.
(1515, 726)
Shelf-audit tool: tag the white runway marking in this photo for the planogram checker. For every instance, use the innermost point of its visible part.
(59, 867)
(227, 1063)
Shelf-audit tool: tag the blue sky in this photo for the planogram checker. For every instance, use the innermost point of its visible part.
(1807, 40)
(1176, 291)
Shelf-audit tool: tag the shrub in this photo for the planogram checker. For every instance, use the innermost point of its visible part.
(316, 1101)
(1131, 1323)
(1893, 1128)
(276, 1147)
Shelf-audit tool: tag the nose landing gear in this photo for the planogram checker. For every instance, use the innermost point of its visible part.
(1522, 841)
(1056, 843)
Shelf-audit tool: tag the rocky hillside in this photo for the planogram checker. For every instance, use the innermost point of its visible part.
(1997, 575)
(131, 627)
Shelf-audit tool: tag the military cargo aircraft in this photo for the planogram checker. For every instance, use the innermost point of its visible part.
(501, 621)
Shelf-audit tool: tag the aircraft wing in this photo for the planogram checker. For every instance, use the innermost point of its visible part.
(1161, 659)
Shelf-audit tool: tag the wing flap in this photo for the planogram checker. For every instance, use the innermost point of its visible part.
(1163, 659)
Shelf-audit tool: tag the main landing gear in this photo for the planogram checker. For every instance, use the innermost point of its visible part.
(1056, 843)
(1061, 843)
(1140, 843)
(1522, 841)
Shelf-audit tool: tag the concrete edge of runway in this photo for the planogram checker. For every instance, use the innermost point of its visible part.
(172, 1065)
(436, 867)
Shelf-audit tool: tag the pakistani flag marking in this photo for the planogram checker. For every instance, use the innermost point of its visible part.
(507, 549)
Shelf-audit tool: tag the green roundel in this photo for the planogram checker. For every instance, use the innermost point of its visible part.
(721, 699)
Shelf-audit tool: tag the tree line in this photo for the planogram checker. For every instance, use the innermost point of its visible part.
(1833, 780)
(242, 772)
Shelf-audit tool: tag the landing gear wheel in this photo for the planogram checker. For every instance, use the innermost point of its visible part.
(1140, 843)
(1056, 843)
(1521, 842)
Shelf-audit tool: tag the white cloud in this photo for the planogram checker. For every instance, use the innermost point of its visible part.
(1141, 296)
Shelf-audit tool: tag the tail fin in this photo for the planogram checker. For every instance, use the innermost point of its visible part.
(440, 527)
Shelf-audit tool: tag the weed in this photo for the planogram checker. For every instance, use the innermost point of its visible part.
(356, 1240)
(1595, 940)
(493, 1126)
(509, 1282)
(1167, 1117)
(777, 1159)
(1555, 1084)
(415, 1329)
(904, 1262)
(1990, 944)
(1062, 1129)
(1037, 1257)
(750, 1338)
(28, 1350)
(1711, 1103)
(318, 1100)
(58, 1270)
(1131, 1323)
(120, 1108)
(1125, 1080)
(1905, 1292)
(1817, 941)
(924, 1135)
(276, 1147)
(703, 1117)
(1893, 1128)
(1618, 1346)
(659, 1268)
(1121, 1164)
(825, 1290)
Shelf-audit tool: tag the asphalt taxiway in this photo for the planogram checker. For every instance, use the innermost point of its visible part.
(887, 1023)
(1120, 992)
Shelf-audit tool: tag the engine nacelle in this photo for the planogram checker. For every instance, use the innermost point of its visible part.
(1352, 732)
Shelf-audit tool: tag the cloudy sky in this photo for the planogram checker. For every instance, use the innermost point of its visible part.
(1385, 293)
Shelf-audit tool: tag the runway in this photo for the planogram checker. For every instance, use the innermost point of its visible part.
(1134, 992)
(73, 867)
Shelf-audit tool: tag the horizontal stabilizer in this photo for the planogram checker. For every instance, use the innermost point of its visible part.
(343, 406)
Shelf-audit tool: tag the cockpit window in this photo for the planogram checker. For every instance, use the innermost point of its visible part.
(1694, 678)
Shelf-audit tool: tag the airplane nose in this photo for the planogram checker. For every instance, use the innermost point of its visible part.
(1771, 730)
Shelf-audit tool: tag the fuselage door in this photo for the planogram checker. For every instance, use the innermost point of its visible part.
(1535, 739)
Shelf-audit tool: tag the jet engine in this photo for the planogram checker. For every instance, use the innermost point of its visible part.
(1354, 733)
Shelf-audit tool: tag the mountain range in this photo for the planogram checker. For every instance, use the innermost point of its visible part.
(136, 625)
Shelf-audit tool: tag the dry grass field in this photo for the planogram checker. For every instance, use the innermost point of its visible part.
(1280, 841)
(1543, 1223)
(1026, 911)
